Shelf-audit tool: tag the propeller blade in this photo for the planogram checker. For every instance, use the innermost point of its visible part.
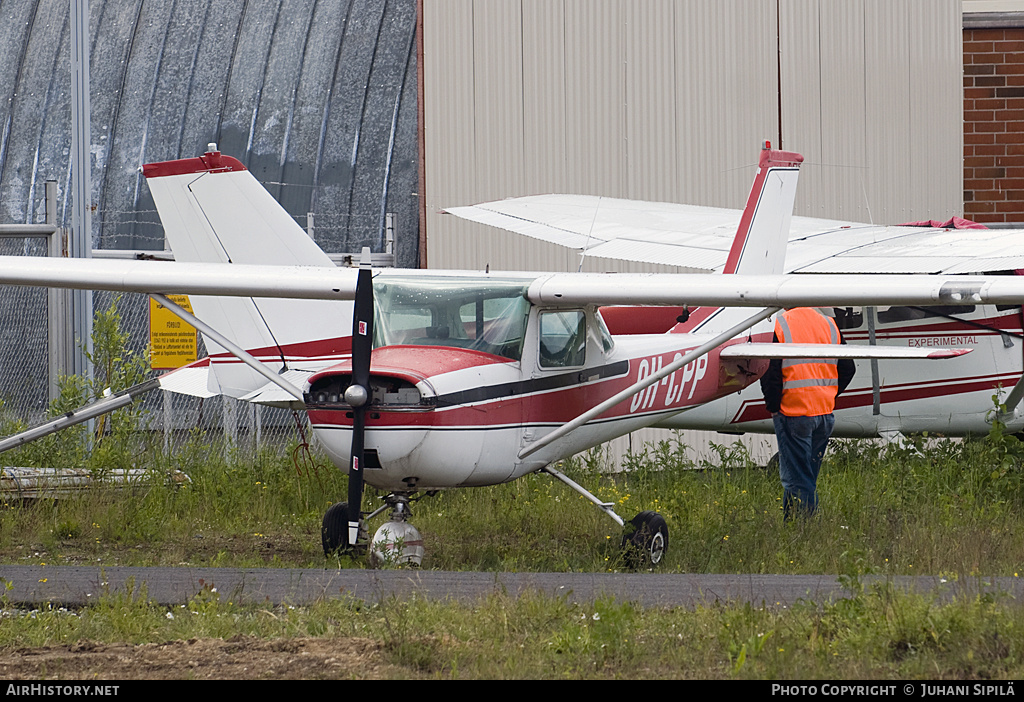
(358, 393)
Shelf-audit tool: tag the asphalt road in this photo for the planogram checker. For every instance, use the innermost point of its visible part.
(73, 586)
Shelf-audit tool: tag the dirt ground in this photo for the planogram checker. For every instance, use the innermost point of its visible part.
(239, 658)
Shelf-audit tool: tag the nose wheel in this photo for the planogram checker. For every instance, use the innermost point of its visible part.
(396, 542)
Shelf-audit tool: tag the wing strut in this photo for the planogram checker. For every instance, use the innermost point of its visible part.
(633, 389)
(1013, 399)
(234, 349)
(83, 414)
(605, 507)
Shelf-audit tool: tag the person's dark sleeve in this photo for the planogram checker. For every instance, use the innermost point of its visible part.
(847, 369)
(771, 385)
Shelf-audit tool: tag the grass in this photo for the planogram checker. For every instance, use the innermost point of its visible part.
(877, 634)
(949, 508)
(953, 508)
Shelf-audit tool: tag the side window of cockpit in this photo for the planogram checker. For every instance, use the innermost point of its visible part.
(563, 338)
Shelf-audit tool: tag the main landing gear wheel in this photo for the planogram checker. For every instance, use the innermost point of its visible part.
(334, 532)
(646, 540)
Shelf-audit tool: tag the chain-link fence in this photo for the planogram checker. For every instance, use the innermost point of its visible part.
(24, 315)
(35, 333)
(24, 376)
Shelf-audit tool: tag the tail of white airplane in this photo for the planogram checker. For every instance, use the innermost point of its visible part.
(759, 247)
(760, 244)
(213, 210)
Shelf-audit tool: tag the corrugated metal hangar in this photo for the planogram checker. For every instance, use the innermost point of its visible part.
(668, 100)
(317, 98)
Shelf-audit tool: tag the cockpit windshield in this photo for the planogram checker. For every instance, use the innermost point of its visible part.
(487, 315)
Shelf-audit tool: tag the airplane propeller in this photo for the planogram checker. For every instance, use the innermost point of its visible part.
(358, 392)
(342, 521)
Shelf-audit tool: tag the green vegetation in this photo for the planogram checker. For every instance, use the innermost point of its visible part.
(878, 633)
(954, 508)
(936, 507)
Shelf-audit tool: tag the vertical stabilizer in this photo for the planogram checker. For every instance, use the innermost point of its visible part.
(759, 247)
(214, 210)
(760, 244)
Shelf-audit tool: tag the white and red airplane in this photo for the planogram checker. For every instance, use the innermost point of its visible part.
(434, 380)
(886, 399)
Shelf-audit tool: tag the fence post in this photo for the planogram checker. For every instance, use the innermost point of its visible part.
(56, 299)
(168, 420)
(230, 421)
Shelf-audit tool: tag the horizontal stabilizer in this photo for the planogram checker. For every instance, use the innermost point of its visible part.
(190, 380)
(854, 351)
(272, 395)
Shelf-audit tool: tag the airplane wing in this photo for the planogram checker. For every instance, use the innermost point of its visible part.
(553, 289)
(700, 237)
(166, 277)
(804, 290)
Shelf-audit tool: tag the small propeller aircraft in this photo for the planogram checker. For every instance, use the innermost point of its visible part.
(434, 380)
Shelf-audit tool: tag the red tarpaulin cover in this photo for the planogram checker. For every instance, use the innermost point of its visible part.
(954, 223)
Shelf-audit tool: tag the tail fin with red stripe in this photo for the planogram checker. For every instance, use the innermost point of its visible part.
(214, 210)
(760, 244)
(759, 247)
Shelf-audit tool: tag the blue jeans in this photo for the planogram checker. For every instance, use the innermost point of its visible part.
(802, 442)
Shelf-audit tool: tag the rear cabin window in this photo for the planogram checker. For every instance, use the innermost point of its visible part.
(853, 317)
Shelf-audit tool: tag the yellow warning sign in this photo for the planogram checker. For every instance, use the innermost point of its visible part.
(172, 342)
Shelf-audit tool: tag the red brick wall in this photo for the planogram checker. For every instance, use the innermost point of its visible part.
(994, 125)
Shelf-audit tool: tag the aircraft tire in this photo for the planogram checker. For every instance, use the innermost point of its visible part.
(646, 540)
(334, 532)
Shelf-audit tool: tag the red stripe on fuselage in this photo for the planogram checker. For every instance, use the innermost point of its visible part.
(640, 320)
(754, 410)
(317, 349)
(697, 383)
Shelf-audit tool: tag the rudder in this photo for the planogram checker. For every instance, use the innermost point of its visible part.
(759, 247)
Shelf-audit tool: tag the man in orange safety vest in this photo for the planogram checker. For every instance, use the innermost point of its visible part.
(801, 396)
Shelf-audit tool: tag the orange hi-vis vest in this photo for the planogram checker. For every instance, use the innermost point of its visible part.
(809, 385)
